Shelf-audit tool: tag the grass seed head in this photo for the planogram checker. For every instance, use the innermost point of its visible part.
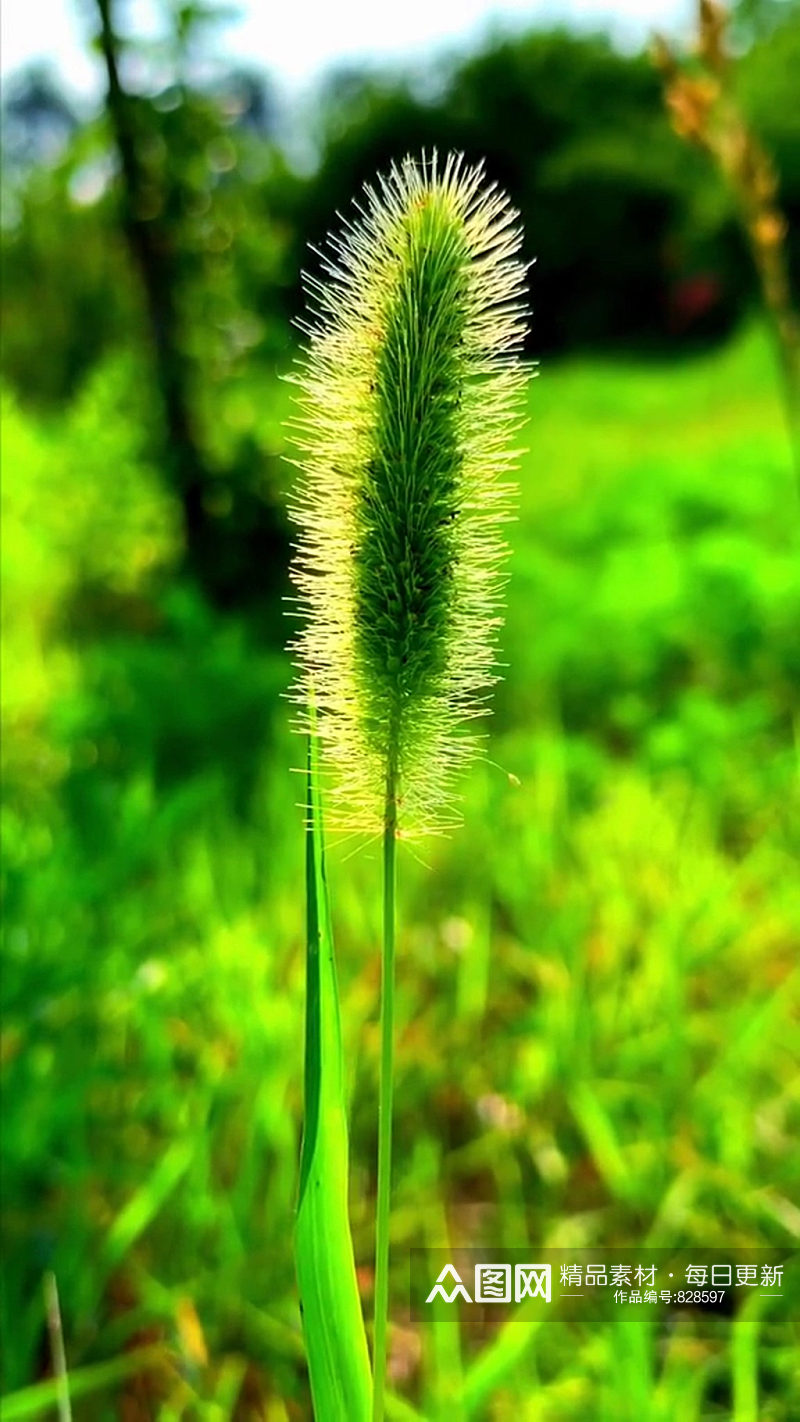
(410, 393)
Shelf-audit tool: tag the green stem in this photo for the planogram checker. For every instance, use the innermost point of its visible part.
(385, 1106)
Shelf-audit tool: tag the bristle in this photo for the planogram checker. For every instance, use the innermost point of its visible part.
(410, 393)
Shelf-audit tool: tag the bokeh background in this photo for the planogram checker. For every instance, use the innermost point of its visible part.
(598, 974)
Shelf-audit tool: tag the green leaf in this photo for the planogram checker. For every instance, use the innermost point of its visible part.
(333, 1325)
(40, 1399)
(148, 1201)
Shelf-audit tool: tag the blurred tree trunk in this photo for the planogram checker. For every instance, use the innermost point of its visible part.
(153, 254)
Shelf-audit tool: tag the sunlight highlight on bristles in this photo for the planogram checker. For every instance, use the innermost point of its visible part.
(410, 392)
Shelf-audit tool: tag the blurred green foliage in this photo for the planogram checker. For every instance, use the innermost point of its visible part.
(598, 973)
(173, 225)
(618, 212)
(615, 214)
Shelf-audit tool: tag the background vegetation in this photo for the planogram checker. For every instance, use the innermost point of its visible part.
(598, 976)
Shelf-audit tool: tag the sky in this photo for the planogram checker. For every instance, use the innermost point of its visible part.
(296, 40)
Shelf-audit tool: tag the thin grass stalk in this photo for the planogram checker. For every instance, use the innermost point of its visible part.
(385, 1096)
(57, 1346)
(705, 111)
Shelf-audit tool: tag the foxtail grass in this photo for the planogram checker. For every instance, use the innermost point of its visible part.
(410, 396)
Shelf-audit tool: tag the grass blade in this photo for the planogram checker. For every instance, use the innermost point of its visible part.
(39, 1400)
(333, 1324)
(57, 1345)
(500, 1359)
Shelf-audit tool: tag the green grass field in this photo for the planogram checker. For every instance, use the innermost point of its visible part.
(597, 977)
